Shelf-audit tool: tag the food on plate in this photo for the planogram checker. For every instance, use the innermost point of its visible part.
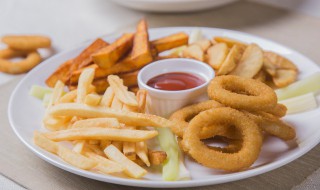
(250, 63)
(193, 51)
(235, 161)
(31, 59)
(304, 86)
(217, 54)
(241, 93)
(175, 81)
(300, 103)
(284, 77)
(109, 55)
(230, 62)
(24, 47)
(170, 42)
(26, 43)
(108, 133)
(229, 41)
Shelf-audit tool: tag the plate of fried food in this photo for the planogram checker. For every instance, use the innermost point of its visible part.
(170, 107)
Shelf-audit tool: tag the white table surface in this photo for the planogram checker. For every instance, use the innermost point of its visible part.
(70, 22)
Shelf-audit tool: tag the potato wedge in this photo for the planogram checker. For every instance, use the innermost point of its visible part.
(229, 41)
(217, 54)
(62, 74)
(230, 61)
(203, 44)
(141, 51)
(109, 55)
(261, 76)
(250, 63)
(279, 61)
(170, 42)
(194, 52)
(284, 77)
(268, 66)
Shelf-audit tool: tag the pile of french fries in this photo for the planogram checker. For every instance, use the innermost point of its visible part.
(231, 57)
(123, 57)
(108, 132)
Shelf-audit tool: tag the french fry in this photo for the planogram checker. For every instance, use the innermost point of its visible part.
(217, 54)
(128, 118)
(62, 74)
(142, 100)
(84, 58)
(157, 157)
(92, 99)
(105, 165)
(171, 41)
(121, 91)
(130, 168)
(108, 56)
(118, 145)
(142, 152)
(79, 146)
(85, 81)
(57, 93)
(250, 63)
(107, 97)
(97, 122)
(116, 104)
(129, 150)
(104, 144)
(230, 61)
(94, 148)
(67, 155)
(97, 133)
(68, 97)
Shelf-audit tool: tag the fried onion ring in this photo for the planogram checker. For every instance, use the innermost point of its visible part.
(184, 115)
(234, 161)
(32, 59)
(279, 110)
(272, 125)
(242, 93)
(31, 42)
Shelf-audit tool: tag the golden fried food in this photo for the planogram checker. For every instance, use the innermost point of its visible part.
(242, 93)
(217, 54)
(170, 42)
(235, 161)
(26, 43)
(230, 61)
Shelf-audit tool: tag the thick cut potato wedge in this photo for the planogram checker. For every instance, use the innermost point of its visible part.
(279, 61)
(62, 74)
(171, 41)
(141, 52)
(194, 52)
(203, 44)
(268, 66)
(250, 63)
(217, 54)
(230, 61)
(284, 77)
(229, 41)
(261, 76)
(109, 55)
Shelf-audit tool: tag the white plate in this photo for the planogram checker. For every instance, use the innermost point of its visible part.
(25, 113)
(172, 5)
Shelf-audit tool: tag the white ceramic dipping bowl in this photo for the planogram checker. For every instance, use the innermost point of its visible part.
(163, 102)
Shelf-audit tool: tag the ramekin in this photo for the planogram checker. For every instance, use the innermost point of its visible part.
(163, 102)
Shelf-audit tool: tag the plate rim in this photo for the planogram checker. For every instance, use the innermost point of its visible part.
(149, 183)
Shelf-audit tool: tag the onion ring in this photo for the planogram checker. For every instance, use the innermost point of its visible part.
(235, 161)
(32, 59)
(242, 93)
(279, 110)
(272, 125)
(26, 42)
(182, 116)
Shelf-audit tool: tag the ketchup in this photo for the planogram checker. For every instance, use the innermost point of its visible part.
(175, 81)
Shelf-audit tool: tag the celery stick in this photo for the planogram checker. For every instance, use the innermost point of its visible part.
(168, 143)
(307, 85)
(300, 103)
(39, 91)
